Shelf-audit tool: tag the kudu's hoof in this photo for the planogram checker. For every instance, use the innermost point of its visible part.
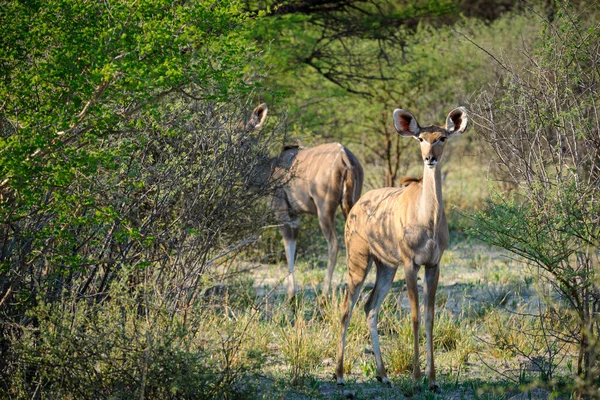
(291, 298)
(339, 381)
(384, 380)
(434, 388)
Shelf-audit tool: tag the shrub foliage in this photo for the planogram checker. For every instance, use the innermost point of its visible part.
(542, 125)
(125, 163)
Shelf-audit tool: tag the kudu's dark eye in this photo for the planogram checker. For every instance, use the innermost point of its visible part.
(420, 139)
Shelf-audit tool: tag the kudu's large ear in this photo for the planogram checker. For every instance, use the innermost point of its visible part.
(405, 123)
(258, 117)
(457, 120)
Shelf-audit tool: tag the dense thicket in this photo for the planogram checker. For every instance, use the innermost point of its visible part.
(125, 159)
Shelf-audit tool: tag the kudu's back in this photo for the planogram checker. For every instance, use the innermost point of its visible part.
(320, 178)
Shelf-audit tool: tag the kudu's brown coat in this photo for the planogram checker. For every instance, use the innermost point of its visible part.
(406, 227)
(313, 181)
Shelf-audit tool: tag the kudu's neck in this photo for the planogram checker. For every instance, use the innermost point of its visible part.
(261, 173)
(431, 204)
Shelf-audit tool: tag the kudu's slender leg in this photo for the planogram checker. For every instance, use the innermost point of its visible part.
(410, 272)
(326, 221)
(383, 283)
(358, 268)
(290, 234)
(432, 275)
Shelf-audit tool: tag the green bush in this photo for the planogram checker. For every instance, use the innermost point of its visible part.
(542, 123)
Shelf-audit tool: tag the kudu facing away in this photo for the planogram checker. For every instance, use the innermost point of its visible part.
(313, 181)
(406, 227)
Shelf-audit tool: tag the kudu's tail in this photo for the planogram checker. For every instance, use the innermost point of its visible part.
(352, 182)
